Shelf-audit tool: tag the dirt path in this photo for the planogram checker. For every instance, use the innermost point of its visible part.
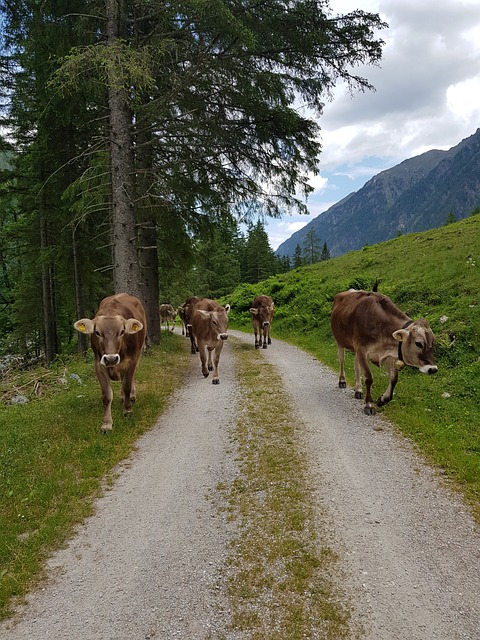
(411, 550)
(151, 562)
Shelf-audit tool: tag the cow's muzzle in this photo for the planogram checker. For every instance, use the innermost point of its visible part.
(223, 336)
(110, 360)
(265, 324)
(429, 369)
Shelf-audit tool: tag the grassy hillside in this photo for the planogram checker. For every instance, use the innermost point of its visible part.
(435, 275)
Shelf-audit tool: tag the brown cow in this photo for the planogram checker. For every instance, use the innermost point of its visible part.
(185, 311)
(167, 314)
(370, 325)
(262, 316)
(209, 332)
(181, 315)
(117, 337)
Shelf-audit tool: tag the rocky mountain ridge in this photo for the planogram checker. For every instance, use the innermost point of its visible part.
(415, 195)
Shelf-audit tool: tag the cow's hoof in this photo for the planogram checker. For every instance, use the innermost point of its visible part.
(205, 374)
(380, 402)
(342, 384)
(257, 346)
(127, 413)
(369, 410)
(210, 368)
(269, 341)
(264, 346)
(215, 381)
(358, 395)
(106, 427)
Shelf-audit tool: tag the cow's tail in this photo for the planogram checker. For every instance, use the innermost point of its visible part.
(375, 284)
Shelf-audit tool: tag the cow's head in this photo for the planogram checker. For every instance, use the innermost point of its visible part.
(262, 314)
(218, 321)
(416, 346)
(108, 335)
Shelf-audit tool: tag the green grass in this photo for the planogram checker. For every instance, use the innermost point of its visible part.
(435, 274)
(53, 458)
(282, 583)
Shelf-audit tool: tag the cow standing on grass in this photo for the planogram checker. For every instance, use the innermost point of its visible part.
(374, 328)
(167, 314)
(117, 337)
(262, 316)
(208, 332)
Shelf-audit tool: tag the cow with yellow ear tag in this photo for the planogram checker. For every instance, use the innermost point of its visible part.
(117, 336)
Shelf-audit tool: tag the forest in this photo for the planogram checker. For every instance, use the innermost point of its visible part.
(143, 144)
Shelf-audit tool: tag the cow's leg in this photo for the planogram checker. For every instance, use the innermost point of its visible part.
(193, 343)
(257, 341)
(387, 395)
(264, 332)
(216, 360)
(210, 364)
(342, 383)
(202, 348)
(358, 379)
(361, 365)
(107, 397)
(129, 389)
(268, 333)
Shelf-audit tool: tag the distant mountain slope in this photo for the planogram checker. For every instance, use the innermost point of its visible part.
(416, 195)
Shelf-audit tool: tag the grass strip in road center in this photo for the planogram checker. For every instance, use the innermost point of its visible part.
(281, 583)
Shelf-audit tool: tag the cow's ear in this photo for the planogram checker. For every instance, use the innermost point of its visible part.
(85, 325)
(133, 326)
(203, 313)
(401, 335)
(254, 311)
(227, 308)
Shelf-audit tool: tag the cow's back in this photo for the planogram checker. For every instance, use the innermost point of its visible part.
(122, 304)
(364, 317)
(262, 301)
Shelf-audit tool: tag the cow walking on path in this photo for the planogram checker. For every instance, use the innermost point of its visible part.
(167, 314)
(117, 337)
(374, 328)
(262, 316)
(209, 322)
(185, 311)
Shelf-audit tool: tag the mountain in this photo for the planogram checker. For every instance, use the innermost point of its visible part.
(416, 195)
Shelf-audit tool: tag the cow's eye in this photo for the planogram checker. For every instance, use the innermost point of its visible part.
(122, 332)
(419, 345)
(97, 333)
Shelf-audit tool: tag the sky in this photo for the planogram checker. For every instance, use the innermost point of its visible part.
(427, 96)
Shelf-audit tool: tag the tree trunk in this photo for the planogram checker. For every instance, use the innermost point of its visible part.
(79, 299)
(147, 233)
(126, 270)
(49, 315)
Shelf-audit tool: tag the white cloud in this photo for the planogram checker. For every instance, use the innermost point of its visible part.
(459, 99)
(426, 97)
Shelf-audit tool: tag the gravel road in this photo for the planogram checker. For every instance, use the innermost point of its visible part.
(151, 562)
